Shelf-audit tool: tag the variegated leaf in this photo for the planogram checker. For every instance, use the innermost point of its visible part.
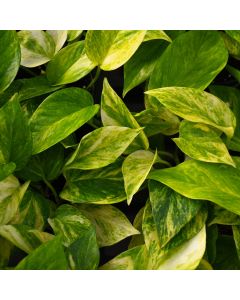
(112, 48)
(135, 170)
(24, 237)
(219, 215)
(6, 170)
(171, 211)
(46, 165)
(202, 142)
(197, 106)
(137, 240)
(28, 88)
(111, 224)
(15, 135)
(100, 186)
(115, 113)
(34, 210)
(231, 96)
(48, 256)
(37, 47)
(218, 183)
(232, 45)
(73, 34)
(101, 147)
(193, 59)
(133, 259)
(69, 65)
(180, 253)
(10, 57)
(59, 115)
(158, 120)
(140, 66)
(156, 35)
(59, 37)
(10, 198)
(78, 235)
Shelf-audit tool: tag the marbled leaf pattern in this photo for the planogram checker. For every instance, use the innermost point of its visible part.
(112, 48)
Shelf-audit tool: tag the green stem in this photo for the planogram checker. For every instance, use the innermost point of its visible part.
(52, 189)
(95, 78)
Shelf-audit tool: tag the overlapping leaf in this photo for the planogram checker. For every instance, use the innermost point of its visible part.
(10, 57)
(135, 170)
(101, 147)
(202, 142)
(115, 113)
(200, 180)
(69, 64)
(78, 235)
(59, 115)
(15, 135)
(111, 224)
(100, 186)
(112, 48)
(197, 106)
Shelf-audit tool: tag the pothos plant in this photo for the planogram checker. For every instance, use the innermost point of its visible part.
(71, 150)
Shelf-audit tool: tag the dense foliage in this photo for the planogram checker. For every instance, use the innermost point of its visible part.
(119, 149)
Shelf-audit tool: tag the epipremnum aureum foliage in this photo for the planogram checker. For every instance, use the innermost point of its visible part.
(119, 135)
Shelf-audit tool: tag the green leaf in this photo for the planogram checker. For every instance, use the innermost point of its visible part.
(156, 35)
(171, 211)
(34, 210)
(219, 215)
(202, 142)
(231, 96)
(10, 198)
(48, 256)
(159, 120)
(133, 259)
(59, 115)
(232, 45)
(218, 183)
(59, 37)
(111, 224)
(46, 165)
(69, 65)
(110, 49)
(183, 252)
(137, 240)
(101, 147)
(5, 252)
(236, 236)
(135, 170)
(193, 59)
(100, 186)
(28, 88)
(37, 47)
(73, 34)
(78, 236)
(24, 237)
(15, 135)
(6, 170)
(10, 57)
(187, 256)
(141, 64)
(115, 113)
(204, 265)
(193, 105)
(234, 72)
